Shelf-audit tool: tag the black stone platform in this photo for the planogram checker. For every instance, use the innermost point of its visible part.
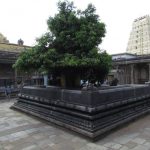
(91, 113)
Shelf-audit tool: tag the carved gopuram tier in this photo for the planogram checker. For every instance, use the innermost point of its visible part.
(90, 113)
(139, 41)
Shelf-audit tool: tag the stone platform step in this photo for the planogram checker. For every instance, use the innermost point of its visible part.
(90, 113)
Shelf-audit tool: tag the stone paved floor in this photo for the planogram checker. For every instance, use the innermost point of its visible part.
(19, 131)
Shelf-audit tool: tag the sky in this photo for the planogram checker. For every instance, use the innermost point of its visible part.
(26, 19)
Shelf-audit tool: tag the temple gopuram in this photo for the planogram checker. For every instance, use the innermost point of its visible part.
(133, 67)
(8, 54)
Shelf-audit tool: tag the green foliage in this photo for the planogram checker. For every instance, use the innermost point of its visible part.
(71, 44)
(75, 31)
(26, 60)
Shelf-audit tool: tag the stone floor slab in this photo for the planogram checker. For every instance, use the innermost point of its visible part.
(19, 131)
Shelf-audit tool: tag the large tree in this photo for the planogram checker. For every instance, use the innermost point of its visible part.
(70, 48)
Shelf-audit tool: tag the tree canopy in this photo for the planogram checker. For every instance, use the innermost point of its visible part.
(71, 45)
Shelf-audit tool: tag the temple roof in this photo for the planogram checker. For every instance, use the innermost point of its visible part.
(5, 46)
(9, 52)
(9, 47)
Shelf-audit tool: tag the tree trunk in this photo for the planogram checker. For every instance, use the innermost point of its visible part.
(70, 81)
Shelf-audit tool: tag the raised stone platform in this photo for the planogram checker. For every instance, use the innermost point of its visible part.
(91, 113)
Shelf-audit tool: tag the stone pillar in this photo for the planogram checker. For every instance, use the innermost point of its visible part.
(45, 80)
(149, 72)
(125, 74)
(132, 74)
(63, 81)
(148, 83)
(15, 78)
(117, 72)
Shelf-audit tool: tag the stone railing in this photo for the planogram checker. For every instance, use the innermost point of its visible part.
(91, 113)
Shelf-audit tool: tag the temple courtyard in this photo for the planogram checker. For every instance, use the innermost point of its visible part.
(19, 131)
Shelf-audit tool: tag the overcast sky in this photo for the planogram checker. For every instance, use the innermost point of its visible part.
(26, 19)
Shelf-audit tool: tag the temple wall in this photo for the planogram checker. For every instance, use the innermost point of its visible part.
(133, 73)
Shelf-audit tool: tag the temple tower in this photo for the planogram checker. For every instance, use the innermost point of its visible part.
(139, 40)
